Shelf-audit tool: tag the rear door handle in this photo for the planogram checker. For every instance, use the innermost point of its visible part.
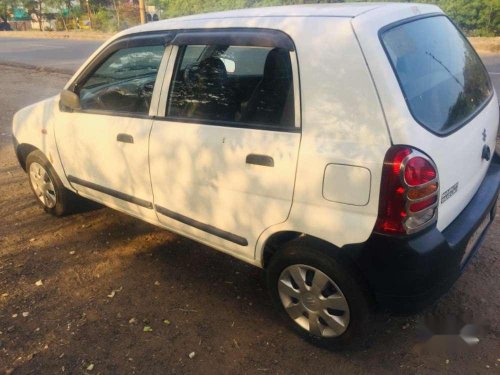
(125, 138)
(257, 159)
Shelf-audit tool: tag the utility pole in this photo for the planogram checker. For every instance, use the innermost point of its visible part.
(40, 19)
(117, 14)
(88, 12)
(142, 11)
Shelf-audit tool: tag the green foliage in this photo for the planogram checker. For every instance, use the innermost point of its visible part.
(7, 8)
(104, 19)
(182, 7)
(475, 17)
(175, 8)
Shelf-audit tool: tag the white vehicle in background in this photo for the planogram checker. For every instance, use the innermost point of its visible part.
(348, 150)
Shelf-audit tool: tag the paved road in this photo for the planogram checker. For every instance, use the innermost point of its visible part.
(59, 54)
(492, 63)
(68, 55)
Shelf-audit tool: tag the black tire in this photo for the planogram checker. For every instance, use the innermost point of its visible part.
(66, 201)
(342, 273)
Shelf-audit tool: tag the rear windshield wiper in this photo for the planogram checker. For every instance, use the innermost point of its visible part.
(444, 67)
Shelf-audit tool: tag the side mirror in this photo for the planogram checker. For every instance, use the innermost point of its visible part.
(69, 100)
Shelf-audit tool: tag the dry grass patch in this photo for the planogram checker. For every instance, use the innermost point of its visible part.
(486, 45)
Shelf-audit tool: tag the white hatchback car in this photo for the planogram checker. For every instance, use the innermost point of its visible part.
(346, 149)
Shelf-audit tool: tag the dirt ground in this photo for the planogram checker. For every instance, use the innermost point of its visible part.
(78, 294)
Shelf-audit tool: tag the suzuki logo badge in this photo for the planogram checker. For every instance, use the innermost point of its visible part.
(484, 135)
(486, 154)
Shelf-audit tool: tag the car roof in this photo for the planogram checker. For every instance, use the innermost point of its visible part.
(340, 10)
(305, 10)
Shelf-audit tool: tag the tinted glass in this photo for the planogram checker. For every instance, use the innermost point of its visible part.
(233, 84)
(442, 78)
(124, 82)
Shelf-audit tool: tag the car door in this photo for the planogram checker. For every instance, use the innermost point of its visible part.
(224, 148)
(104, 146)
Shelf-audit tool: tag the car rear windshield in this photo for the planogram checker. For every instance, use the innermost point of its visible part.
(442, 78)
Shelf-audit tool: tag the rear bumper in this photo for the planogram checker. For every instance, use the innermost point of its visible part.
(409, 273)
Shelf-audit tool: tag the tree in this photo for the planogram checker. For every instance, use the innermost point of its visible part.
(35, 7)
(475, 17)
(44, 9)
(6, 8)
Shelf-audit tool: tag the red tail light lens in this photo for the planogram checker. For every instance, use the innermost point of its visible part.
(419, 171)
(416, 207)
(409, 192)
(392, 209)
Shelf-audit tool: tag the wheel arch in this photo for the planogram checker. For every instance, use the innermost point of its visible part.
(275, 242)
(22, 152)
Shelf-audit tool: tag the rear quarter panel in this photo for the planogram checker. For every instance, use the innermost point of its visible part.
(342, 124)
(458, 155)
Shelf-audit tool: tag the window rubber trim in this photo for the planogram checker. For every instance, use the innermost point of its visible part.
(114, 113)
(469, 118)
(254, 37)
(230, 124)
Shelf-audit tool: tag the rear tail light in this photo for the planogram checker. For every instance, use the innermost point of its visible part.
(409, 192)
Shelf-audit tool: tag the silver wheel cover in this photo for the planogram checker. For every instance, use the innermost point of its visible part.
(313, 301)
(42, 185)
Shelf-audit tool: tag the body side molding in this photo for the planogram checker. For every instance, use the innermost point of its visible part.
(202, 226)
(111, 192)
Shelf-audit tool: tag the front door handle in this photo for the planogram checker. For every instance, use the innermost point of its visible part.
(257, 159)
(125, 138)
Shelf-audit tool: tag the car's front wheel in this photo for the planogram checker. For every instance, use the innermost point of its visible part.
(318, 295)
(47, 187)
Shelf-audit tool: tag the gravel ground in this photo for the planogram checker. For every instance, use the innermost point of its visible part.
(78, 293)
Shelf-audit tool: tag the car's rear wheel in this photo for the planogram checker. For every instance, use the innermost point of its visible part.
(49, 191)
(319, 295)
(313, 301)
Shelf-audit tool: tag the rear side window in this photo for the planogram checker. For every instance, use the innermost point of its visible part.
(442, 78)
(233, 85)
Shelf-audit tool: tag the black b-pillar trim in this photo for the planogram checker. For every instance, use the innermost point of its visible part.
(113, 193)
(202, 226)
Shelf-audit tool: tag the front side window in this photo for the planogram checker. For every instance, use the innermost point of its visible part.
(124, 82)
(239, 85)
(441, 76)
